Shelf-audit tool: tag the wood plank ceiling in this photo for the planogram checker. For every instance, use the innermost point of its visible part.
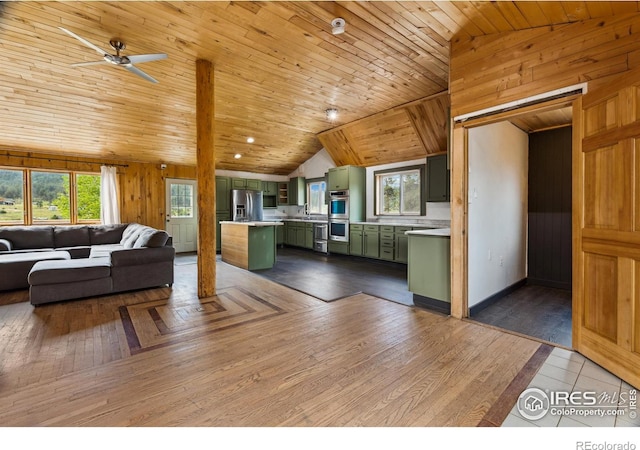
(278, 68)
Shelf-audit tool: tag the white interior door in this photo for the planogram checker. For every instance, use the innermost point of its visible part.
(182, 214)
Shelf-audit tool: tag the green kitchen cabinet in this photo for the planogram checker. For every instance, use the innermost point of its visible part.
(291, 230)
(437, 179)
(370, 241)
(254, 184)
(270, 188)
(429, 267)
(283, 194)
(387, 243)
(338, 178)
(269, 194)
(297, 191)
(280, 235)
(401, 244)
(300, 235)
(355, 240)
(245, 183)
(223, 194)
(338, 247)
(308, 235)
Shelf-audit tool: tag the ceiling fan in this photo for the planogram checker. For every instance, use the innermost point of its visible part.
(119, 60)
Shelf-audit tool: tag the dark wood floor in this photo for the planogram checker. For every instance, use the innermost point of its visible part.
(537, 311)
(330, 277)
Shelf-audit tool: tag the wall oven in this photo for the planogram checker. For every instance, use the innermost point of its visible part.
(339, 205)
(339, 230)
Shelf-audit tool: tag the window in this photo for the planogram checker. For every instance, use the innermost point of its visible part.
(11, 197)
(399, 192)
(37, 197)
(316, 189)
(181, 200)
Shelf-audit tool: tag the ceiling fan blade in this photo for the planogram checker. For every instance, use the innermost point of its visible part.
(135, 59)
(90, 63)
(84, 41)
(134, 69)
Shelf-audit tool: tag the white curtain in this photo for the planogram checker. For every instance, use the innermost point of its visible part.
(109, 202)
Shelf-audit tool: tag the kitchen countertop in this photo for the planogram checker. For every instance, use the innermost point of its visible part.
(252, 224)
(399, 224)
(305, 220)
(432, 232)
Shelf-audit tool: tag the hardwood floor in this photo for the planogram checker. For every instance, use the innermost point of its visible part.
(537, 311)
(256, 354)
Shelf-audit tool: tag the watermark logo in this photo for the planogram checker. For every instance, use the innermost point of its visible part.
(534, 403)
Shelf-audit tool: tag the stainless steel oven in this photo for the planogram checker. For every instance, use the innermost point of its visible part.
(339, 230)
(339, 205)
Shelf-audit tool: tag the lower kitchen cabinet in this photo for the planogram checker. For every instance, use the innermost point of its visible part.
(355, 240)
(428, 272)
(401, 244)
(280, 235)
(298, 234)
(387, 243)
(338, 247)
(370, 241)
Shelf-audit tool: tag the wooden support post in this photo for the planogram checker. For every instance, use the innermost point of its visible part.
(206, 178)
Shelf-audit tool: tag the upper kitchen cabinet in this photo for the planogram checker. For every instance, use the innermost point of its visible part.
(346, 178)
(437, 179)
(223, 188)
(297, 191)
(270, 188)
(244, 183)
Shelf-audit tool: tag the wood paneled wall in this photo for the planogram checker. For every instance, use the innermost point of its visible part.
(406, 132)
(141, 184)
(495, 69)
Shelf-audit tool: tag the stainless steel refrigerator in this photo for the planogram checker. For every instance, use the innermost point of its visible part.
(247, 205)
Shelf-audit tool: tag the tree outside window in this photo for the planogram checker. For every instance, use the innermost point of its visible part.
(399, 193)
(316, 197)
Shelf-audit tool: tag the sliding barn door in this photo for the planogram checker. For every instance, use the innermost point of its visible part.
(606, 169)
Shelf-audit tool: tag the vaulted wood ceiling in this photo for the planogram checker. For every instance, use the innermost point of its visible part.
(278, 67)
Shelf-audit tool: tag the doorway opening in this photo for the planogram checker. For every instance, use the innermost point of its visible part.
(519, 225)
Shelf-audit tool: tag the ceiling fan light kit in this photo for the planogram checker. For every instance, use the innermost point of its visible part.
(126, 62)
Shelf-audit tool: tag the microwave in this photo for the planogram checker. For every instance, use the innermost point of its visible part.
(339, 205)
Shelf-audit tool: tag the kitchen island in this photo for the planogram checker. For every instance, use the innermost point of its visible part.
(429, 268)
(249, 245)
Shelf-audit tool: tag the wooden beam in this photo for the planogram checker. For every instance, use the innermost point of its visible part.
(206, 171)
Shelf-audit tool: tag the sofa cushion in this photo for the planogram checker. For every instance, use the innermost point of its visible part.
(15, 267)
(102, 251)
(28, 237)
(69, 271)
(106, 234)
(72, 236)
(130, 234)
(151, 237)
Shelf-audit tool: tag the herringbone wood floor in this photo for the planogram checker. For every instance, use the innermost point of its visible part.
(257, 354)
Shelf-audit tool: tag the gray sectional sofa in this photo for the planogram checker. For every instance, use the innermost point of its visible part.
(68, 262)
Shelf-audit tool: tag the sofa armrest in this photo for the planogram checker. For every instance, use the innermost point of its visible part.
(141, 256)
(5, 246)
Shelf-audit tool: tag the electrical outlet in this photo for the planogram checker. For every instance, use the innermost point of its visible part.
(501, 261)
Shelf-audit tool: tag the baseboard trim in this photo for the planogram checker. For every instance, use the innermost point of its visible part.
(475, 309)
(564, 285)
(432, 304)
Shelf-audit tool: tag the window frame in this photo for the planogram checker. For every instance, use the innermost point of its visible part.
(309, 182)
(27, 186)
(421, 169)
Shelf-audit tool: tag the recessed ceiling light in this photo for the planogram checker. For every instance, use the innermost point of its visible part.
(332, 114)
(250, 140)
(237, 156)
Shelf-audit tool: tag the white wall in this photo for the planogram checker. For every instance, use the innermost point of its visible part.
(435, 211)
(498, 167)
(314, 167)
